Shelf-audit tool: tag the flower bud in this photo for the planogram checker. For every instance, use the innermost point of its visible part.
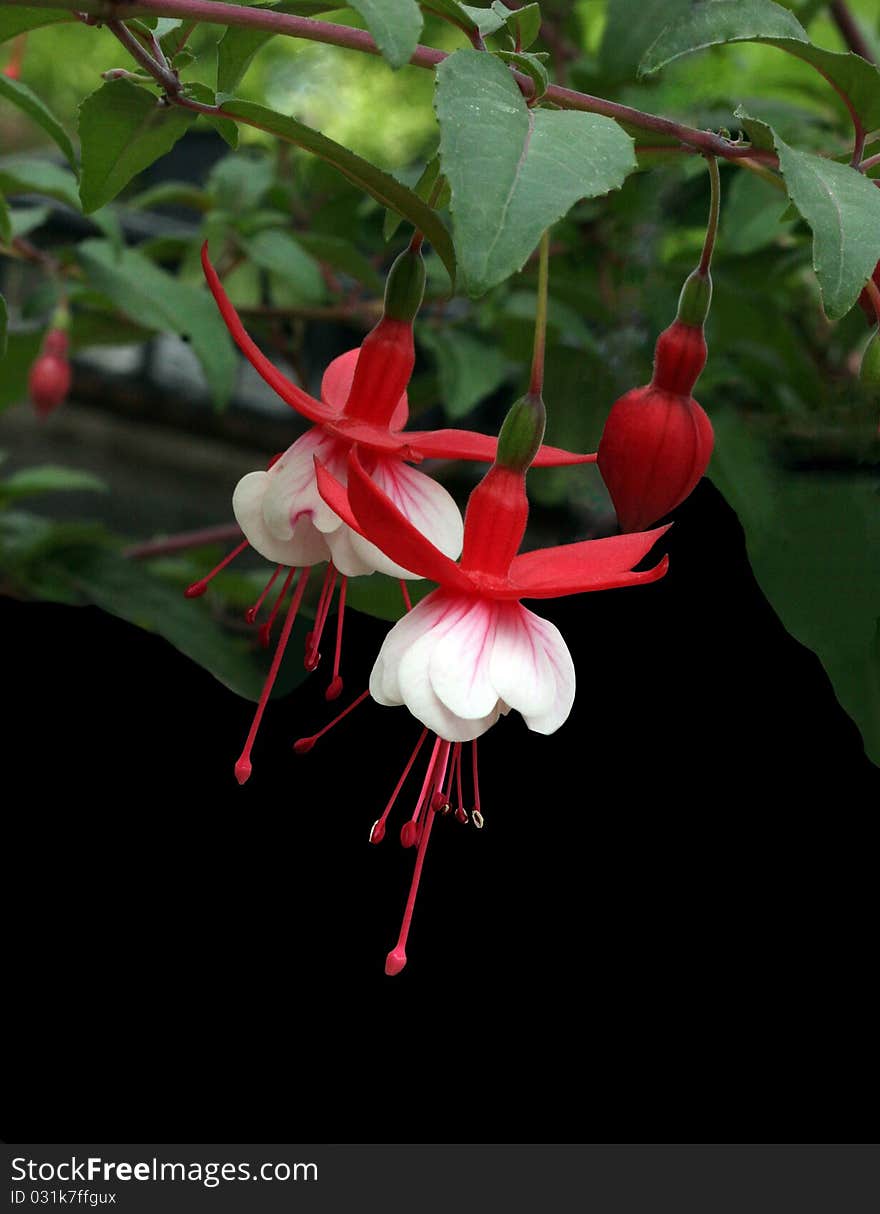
(695, 298)
(679, 358)
(49, 378)
(405, 286)
(522, 433)
(865, 301)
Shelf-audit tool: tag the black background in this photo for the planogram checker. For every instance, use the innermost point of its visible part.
(665, 930)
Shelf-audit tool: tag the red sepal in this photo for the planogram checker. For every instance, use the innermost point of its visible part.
(379, 520)
(462, 444)
(336, 387)
(590, 565)
(290, 393)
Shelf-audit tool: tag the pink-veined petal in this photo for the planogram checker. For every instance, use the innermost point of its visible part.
(418, 694)
(291, 488)
(427, 505)
(289, 392)
(589, 565)
(380, 521)
(336, 387)
(303, 546)
(519, 668)
(459, 665)
(463, 444)
(550, 708)
(437, 609)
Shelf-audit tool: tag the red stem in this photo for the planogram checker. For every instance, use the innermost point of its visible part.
(185, 539)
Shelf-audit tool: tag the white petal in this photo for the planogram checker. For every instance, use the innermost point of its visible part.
(346, 555)
(304, 545)
(459, 665)
(519, 668)
(384, 685)
(291, 488)
(549, 637)
(426, 504)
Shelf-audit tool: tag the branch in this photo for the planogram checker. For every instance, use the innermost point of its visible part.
(852, 35)
(182, 541)
(344, 36)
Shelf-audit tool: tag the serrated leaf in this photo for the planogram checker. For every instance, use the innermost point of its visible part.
(29, 103)
(279, 253)
(424, 188)
(224, 127)
(842, 208)
(32, 175)
(48, 478)
(523, 23)
(123, 129)
(395, 24)
(468, 369)
(713, 22)
(753, 211)
(514, 171)
(155, 299)
(381, 185)
(4, 321)
(15, 21)
(472, 20)
(529, 65)
(5, 221)
(176, 36)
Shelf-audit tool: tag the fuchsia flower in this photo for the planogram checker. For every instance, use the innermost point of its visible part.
(470, 651)
(280, 510)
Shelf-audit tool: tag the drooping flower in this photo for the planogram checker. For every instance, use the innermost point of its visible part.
(657, 441)
(470, 651)
(49, 376)
(363, 401)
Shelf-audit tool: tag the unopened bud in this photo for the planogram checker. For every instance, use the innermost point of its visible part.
(695, 298)
(522, 433)
(405, 286)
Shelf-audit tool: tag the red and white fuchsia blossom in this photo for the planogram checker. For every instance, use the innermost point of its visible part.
(363, 401)
(470, 651)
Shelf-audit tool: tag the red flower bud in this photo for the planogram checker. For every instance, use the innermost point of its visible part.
(865, 301)
(657, 441)
(49, 379)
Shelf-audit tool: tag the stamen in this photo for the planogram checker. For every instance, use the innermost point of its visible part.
(334, 689)
(377, 832)
(303, 745)
(199, 587)
(409, 832)
(251, 614)
(243, 766)
(396, 959)
(478, 817)
(266, 629)
(313, 640)
(405, 592)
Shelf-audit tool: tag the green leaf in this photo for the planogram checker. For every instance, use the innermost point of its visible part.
(237, 47)
(712, 22)
(424, 187)
(395, 24)
(24, 219)
(335, 251)
(15, 21)
(28, 101)
(468, 369)
(155, 299)
(514, 171)
(842, 208)
(237, 183)
(523, 23)
(21, 350)
(279, 253)
(224, 127)
(128, 590)
(382, 186)
(531, 66)
(631, 27)
(809, 534)
(31, 175)
(47, 478)
(5, 221)
(380, 596)
(123, 129)
(472, 20)
(171, 193)
(4, 317)
(753, 210)
(176, 36)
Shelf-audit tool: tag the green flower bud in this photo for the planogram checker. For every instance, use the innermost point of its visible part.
(695, 298)
(405, 286)
(522, 433)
